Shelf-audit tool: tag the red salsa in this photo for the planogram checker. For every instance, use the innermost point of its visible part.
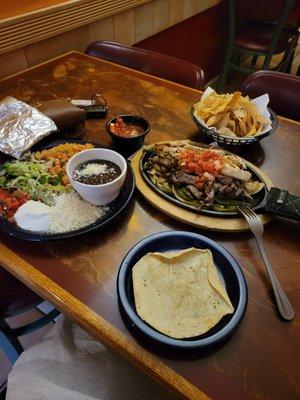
(125, 129)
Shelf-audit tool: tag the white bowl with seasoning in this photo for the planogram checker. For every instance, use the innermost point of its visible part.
(97, 175)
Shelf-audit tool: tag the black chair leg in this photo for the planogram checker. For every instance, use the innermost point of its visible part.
(9, 336)
(253, 60)
(3, 391)
(222, 80)
(291, 56)
(10, 345)
(32, 326)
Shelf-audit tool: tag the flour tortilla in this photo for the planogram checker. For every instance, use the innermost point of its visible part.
(180, 294)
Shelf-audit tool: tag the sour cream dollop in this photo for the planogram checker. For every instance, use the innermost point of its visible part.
(33, 216)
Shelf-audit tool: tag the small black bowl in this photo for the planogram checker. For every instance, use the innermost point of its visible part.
(129, 144)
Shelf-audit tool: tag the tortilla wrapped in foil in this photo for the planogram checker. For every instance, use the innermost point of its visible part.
(21, 126)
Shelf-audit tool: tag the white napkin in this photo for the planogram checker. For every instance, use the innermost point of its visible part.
(68, 364)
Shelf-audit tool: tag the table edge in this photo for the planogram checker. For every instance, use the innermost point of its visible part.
(109, 335)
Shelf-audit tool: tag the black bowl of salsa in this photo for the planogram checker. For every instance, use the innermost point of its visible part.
(128, 132)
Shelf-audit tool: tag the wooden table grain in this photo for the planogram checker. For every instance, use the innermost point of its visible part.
(261, 360)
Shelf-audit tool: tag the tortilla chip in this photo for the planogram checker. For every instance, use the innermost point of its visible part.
(223, 121)
(233, 111)
(212, 121)
(254, 126)
(235, 98)
(240, 113)
(226, 131)
(242, 126)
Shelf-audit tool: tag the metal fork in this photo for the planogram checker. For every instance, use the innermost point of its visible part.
(284, 306)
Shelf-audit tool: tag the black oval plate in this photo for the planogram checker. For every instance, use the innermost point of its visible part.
(229, 272)
(258, 199)
(115, 208)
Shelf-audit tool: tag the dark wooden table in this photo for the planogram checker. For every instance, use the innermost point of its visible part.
(262, 359)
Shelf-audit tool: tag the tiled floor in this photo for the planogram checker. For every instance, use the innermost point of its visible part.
(26, 341)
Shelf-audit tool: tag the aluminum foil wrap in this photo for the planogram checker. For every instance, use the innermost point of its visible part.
(21, 126)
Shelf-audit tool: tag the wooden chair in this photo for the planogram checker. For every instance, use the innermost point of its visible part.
(15, 299)
(150, 62)
(262, 32)
(283, 89)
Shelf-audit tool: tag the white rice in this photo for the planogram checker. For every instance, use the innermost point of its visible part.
(70, 213)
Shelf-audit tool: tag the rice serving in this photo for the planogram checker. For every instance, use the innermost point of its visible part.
(70, 213)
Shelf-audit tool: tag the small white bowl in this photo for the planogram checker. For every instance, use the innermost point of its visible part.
(98, 195)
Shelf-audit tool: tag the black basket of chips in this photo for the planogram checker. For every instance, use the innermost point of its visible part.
(234, 123)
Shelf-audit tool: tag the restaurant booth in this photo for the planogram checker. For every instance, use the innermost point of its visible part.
(149, 199)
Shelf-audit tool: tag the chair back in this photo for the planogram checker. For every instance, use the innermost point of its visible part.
(283, 89)
(261, 10)
(150, 62)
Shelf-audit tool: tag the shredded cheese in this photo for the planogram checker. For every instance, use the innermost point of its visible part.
(92, 169)
(70, 213)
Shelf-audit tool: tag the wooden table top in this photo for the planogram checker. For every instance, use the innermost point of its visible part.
(261, 360)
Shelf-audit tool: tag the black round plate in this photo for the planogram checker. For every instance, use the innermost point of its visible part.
(115, 208)
(258, 199)
(230, 274)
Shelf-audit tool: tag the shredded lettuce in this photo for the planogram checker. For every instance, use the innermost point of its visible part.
(32, 178)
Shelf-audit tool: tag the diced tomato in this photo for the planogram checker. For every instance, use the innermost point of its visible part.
(2, 194)
(191, 165)
(23, 199)
(14, 203)
(200, 162)
(10, 201)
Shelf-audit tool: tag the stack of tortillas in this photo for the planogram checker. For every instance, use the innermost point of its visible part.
(180, 294)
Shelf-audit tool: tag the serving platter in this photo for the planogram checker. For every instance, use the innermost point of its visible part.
(230, 275)
(210, 221)
(115, 208)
